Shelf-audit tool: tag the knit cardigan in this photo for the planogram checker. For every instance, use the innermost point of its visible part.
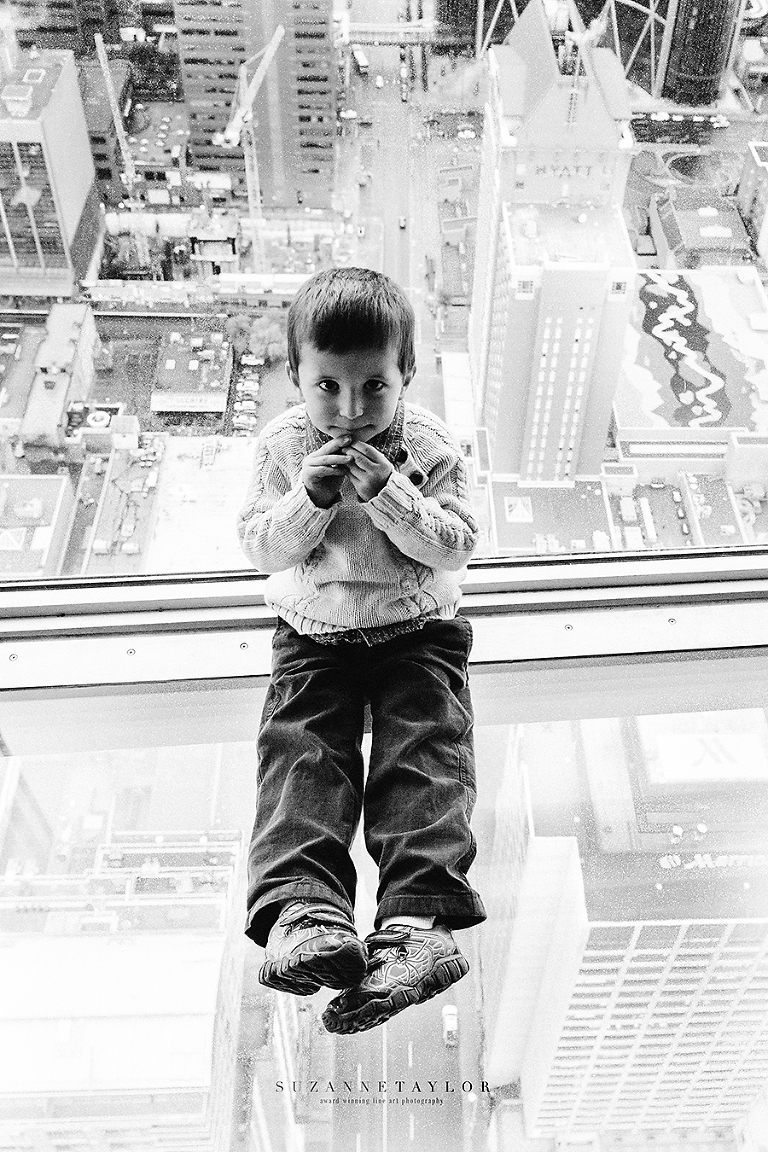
(393, 558)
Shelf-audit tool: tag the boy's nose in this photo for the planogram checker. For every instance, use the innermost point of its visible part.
(351, 406)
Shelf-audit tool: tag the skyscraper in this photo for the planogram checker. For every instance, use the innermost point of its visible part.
(65, 23)
(294, 109)
(49, 207)
(127, 970)
(554, 262)
(701, 42)
(627, 945)
(214, 39)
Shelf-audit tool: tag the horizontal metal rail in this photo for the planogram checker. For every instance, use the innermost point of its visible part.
(232, 600)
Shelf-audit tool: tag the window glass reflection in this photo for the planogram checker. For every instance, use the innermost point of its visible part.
(619, 987)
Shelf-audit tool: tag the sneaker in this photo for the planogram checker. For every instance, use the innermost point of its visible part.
(311, 945)
(406, 966)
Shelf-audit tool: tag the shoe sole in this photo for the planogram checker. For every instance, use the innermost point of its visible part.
(446, 972)
(304, 973)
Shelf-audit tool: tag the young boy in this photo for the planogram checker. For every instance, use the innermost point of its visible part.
(358, 507)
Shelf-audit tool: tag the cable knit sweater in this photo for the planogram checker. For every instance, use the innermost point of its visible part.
(394, 558)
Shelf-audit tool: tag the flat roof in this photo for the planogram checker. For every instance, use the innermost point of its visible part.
(17, 370)
(193, 372)
(30, 85)
(650, 773)
(552, 234)
(63, 327)
(166, 127)
(29, 509)
(539, 518)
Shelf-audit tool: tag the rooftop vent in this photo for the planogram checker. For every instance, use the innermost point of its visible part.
(34, 75)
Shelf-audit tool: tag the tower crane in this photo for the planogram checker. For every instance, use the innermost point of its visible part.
(239, 130)
(140, 238)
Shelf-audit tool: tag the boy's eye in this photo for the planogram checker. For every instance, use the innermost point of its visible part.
(327, 385)
(375, 385)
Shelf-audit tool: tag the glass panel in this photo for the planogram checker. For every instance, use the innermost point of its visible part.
(591, 322)
(618, 987)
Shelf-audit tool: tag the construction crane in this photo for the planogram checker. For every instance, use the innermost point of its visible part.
(140, 237)
(239, 131)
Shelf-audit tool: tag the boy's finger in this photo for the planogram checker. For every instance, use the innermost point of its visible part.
(335, 444)
(361, 448)
(320, 461)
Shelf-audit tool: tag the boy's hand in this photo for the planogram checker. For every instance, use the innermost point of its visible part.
(368, 469)
(323, 471)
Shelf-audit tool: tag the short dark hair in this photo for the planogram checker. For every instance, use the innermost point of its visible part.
(347, 309)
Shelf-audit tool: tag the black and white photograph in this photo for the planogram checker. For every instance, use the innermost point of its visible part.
(383, 575)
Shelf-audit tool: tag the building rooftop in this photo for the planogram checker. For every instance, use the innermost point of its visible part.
(25, 92)
(701, 220)
(62, 334)
(555, 234)
(163, 135)
(17, 370)
(29, 509)
(193, 373)
(528, 68)
(549, 519)
(652, 773)
(204, 225)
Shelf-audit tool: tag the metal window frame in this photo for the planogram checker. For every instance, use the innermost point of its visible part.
(155, 628)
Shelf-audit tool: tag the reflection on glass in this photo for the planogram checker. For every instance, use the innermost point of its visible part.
(585, 263)
(619, 987)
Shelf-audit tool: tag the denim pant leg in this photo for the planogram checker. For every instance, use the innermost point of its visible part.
(309, 782)
(421, 786)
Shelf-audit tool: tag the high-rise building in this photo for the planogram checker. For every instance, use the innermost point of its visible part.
(102, 132)
(49, 205)
(752, 194)
(146, 1053)
(627, 944)
(699, 49)
(294, 110)
(460, 18)
(214, 40)
(554, 263)
(65, 23)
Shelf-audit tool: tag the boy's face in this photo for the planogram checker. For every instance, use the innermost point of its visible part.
(350, 392)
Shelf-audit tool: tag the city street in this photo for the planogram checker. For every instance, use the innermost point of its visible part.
(397, 206)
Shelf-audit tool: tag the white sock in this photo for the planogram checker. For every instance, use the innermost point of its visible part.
(410, 921)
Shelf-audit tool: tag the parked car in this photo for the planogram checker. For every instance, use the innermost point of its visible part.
(379, 81)
(246, 405)
(401, 221)
(450, 1026)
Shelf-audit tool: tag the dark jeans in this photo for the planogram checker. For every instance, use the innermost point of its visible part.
(419, 793)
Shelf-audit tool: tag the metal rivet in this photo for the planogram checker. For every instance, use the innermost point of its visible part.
(131, 651)
(243, 645)
(672, 620)
(569, 627)
(12, 656)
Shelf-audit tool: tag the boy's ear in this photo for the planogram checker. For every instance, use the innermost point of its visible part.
(292, 376)
(408, 377)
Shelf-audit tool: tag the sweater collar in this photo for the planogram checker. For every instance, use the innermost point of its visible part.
(389, 442)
